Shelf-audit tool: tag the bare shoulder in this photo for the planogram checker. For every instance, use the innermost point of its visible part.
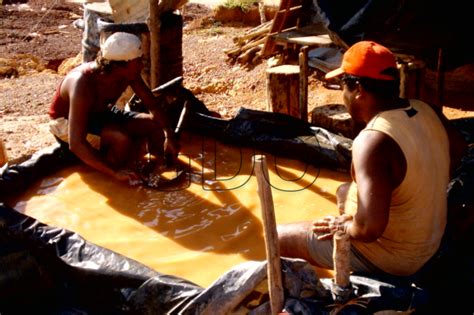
(375, 152)
(374, 142)
(76, 81)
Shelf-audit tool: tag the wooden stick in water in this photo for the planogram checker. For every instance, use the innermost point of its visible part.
(272, 248)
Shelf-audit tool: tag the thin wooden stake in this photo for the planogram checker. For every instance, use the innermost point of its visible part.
(341, 254)
(3, 154)
(303, 101)
(154, 26)
(272, 248)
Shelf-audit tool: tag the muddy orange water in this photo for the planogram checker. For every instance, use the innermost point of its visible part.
(196, 230)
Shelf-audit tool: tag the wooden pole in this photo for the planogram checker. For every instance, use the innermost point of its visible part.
(440, 79)
(303, 101)
(261, 11)
(341, 254)
(3, 154)
(154, 26)
(272, 248)
(146, 73)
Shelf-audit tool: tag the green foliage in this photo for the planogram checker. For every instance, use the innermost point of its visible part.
(243, 5)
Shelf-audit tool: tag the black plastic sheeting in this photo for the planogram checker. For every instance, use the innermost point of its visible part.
(49, 270)
(416, 27)
(279, 134)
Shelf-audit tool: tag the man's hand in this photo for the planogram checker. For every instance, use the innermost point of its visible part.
(326, 227)
(128, 176)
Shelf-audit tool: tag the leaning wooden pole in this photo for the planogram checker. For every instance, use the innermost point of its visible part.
(272, 248)
(154, 26)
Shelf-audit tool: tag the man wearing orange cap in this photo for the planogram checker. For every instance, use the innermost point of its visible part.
(395, 209)
(100, 134)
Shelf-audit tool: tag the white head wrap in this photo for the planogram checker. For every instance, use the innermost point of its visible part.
(121, 46)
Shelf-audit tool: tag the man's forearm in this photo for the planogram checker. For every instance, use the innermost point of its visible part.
(92, 158)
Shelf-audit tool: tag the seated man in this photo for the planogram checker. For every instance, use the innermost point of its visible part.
(83, 106)
(396, 205)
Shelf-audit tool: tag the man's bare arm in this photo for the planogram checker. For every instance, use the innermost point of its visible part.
(379, 167)
(150, 102)
(143, 92)
(81, 100)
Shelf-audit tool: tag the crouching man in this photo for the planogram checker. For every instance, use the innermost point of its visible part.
(84, 114)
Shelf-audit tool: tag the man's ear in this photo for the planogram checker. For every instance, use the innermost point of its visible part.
(359, 91)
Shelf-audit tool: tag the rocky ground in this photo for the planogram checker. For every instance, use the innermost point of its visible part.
(37, 36)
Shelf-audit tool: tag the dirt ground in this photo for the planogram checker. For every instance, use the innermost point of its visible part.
(36, 36)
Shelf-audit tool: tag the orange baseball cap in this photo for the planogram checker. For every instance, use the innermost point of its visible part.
(366, 59)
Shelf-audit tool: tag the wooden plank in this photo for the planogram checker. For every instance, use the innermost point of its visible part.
(294, 37)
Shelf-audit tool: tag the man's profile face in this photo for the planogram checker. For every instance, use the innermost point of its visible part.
(349, 91)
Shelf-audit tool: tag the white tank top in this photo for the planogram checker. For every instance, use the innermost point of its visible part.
(418, 208)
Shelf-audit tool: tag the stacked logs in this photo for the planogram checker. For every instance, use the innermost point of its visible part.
(248, 47)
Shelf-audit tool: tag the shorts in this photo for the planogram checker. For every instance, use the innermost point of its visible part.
(59, 127)
(114, 116)
(322, 253)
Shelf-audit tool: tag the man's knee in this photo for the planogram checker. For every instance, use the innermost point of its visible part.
(116, 145)
(115, 138)
(293, 240)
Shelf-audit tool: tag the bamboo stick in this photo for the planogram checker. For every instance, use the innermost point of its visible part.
(272, 248)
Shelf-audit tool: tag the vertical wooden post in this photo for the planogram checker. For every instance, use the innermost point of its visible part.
(440, 79)
(403, 79)
(3, 154)
(272, 248)
(303, 101)
(154, 26)
(261, 11)
(146, 72)
(341, 254)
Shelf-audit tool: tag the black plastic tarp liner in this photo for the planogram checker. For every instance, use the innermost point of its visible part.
(280, 134)
(417, 27)
(49, 270)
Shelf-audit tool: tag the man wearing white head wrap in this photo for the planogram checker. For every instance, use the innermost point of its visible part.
(83, 105)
